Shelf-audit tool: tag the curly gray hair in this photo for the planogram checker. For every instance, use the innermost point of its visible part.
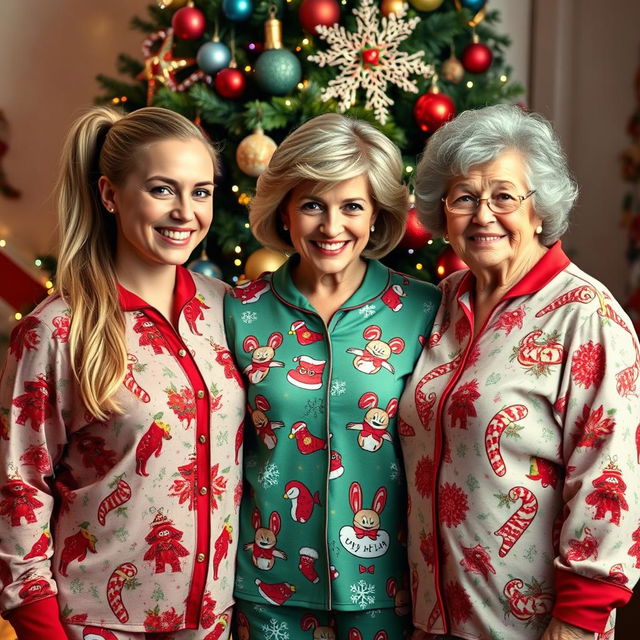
(479, 136)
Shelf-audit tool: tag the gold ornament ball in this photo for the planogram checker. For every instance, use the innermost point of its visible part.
(262, 260)
(391, 6)
(452, 70)
(426, 5)
(254, 152)
(172, 4)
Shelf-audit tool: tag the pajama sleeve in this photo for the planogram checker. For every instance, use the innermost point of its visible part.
(598, 559)
(35, 388)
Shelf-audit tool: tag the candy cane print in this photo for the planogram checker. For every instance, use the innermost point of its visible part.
(517, 524)
(440, 370)
(125, 572)
(437, 335)
(607, 311)
(495, 429)
(130, 382)
(525, 607)
(120, 495)
(582, 294)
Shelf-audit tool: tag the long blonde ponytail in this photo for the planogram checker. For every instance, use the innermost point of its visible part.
(101, 142)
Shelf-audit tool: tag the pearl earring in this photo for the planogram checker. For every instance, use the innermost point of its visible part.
(373, 228)
(445, 237)
(285, 227)
(539, 229)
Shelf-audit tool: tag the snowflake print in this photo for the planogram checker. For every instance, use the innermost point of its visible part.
(222, 438)
(367, 311)
(274, 630)
(453, 504)
(587, 366)
(76, 586)
(428, 307)
(472, 483)
(362, 593)
(394, 471)
(269, 476)
(494, 378)
(338, 388)
(369, 59)
(530, 553)
(248, 317)
(314, 408)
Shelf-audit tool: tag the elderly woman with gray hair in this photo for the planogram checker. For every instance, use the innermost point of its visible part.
(519, 426)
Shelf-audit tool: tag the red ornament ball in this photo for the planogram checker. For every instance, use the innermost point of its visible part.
(432, 110)
(476, 57)
(230, 83)
(415, 233)
(188, 23)
(318, 12)
(448, 262)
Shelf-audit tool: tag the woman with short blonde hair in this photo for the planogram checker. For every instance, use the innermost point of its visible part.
(326, 343)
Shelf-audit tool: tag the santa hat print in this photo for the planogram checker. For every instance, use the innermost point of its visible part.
(276, 594)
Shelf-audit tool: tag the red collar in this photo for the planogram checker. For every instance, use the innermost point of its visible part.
(183, 292)
(545, 270)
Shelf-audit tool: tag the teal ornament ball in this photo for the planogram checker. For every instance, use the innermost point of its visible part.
(213, 56)
(473, 5)
(237, 10)
(205, 267)
(278, 71)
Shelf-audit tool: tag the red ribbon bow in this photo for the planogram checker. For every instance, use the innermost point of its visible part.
(364, 569)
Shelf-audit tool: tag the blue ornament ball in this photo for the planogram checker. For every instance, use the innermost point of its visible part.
(213, 56)
(278, 71)
(206, 268)
(473, 5)
(237, 10)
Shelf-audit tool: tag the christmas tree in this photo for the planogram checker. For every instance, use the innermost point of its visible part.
(250, 71)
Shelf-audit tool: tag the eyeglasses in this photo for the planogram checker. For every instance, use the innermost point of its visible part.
(501, 203)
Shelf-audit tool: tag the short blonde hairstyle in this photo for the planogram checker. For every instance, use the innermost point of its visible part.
(327, 150)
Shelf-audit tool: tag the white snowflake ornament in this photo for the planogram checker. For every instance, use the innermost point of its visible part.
(369, 59)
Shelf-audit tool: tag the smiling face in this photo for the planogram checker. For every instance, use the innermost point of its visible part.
(484, 240)
(330, 230)
(165, 206)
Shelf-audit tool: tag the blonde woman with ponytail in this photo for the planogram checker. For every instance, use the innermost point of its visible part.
(120, 407)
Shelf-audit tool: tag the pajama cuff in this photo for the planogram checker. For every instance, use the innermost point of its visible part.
(586, 603)
(39, 619)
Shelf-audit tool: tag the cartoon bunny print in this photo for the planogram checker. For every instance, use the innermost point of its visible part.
(373, 428)
(364, 538)
(263, 548)
(262, 356)
(376, 353)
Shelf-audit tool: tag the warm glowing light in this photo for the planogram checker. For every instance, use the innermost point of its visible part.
(305, 42)
(235, 278)
(409, 251)
(237, 262)
(470, 84)
(503, 78)
(115, 100)
(244, 199)
(3, 243)
(248, 68)
(123, 98)
(429, 241)
(48, 284)
(419, 266)
(235, 188)
(288, 103)
(50, 291)
(298, 48)
(440, 270)
(18, 315)
(409, 169)
(37, 262)
(246, 225)
(238, 249)
(300, 85)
